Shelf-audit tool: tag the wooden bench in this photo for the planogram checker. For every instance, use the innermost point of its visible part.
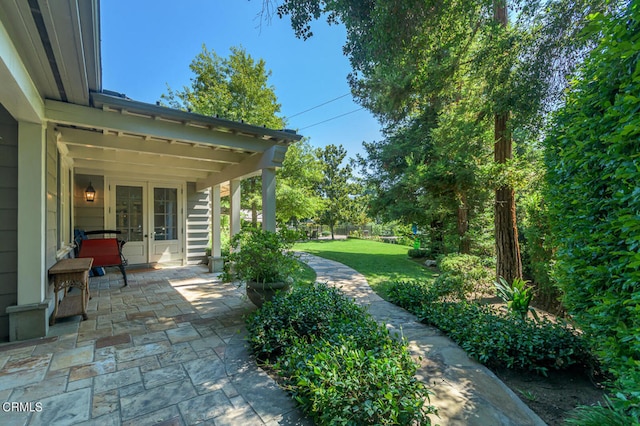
(68, 274)
(104, 251)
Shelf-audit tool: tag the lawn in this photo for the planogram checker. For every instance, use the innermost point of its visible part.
(380, 263)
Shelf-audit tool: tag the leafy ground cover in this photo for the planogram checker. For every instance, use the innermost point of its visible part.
(339, 364)
(552, 397)
(365, 257)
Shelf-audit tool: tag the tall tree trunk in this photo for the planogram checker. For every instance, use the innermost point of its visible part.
(464, 246)
(509, 264)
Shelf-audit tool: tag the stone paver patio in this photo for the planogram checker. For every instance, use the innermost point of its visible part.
(168, 349)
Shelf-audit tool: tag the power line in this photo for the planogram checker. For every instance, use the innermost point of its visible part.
(332, 118)
(318, 106)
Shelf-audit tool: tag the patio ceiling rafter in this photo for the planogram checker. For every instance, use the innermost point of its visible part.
(139, 158)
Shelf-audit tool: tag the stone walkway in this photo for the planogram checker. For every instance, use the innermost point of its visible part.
(170, 349)
(464, 391)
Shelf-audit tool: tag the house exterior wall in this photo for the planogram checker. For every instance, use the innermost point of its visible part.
(8, 217)
(198, 224)
(52, 200)
(89, 216)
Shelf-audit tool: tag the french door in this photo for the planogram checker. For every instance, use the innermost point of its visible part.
(149, 215)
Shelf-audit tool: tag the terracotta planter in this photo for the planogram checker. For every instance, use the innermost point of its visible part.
(259, 293)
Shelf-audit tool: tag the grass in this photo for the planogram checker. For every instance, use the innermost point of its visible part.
(306, 275)
(380, 263)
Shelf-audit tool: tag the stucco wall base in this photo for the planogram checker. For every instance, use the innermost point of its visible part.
(28, 321)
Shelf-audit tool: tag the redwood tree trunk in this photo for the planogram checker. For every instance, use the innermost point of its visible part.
(509, 264)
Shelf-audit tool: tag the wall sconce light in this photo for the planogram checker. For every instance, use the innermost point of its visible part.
(90, 193)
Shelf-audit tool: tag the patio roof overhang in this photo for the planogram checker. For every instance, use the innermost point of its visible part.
(48, 49)
(117, 134)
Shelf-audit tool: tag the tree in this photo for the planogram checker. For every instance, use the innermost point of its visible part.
(297, 184)
(235, 88)
(405, 54)
(335, 186)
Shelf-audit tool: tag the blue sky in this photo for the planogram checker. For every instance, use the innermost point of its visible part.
(149, 44)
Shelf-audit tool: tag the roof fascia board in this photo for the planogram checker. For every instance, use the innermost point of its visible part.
(77, 115)
(101, 99)
(62, 22)
(18, 92)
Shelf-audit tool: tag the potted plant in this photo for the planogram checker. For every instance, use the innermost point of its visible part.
(261, 260)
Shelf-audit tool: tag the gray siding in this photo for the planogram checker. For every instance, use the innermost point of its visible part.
(88, 216)
(198, 224)
(8, 217)
(52, 200)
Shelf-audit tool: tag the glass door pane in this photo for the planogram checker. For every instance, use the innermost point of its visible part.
(129, 212)
(165, 214)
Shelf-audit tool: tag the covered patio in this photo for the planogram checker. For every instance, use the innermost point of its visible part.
(168, 349)
(157, 174)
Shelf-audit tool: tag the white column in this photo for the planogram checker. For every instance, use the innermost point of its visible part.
(234, 198)
(32, 210)
(269, 199)
(215, 221)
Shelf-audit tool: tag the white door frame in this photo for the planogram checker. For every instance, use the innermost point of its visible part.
(161, 251)
(148, 244)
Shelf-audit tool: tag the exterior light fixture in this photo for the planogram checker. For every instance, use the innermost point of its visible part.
(90, 193)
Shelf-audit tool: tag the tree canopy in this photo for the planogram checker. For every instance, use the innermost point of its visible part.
(235, 88)
(413, 56)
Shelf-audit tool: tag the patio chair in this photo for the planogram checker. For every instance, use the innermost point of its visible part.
(105, 251)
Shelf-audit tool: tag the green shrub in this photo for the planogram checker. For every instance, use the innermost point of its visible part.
(411, 295)
(494, 338)
(417, 253)
(500, 340)
(592, 156)
(462, 274)
(339, 364)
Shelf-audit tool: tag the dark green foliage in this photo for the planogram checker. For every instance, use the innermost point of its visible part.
(501, 340)
(263, 257)
(537, 249)
(411, 295)
(495, 338)
(462, 274)
(593, 160)
(418, 253)
(339, 364)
